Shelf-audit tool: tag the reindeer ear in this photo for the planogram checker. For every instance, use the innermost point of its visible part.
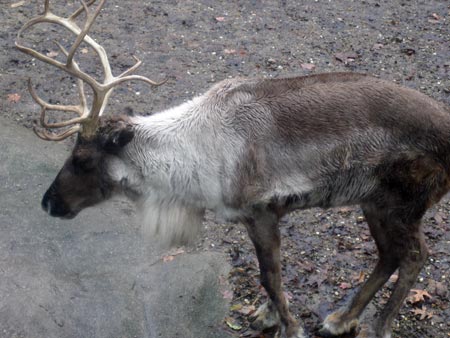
(118, 137)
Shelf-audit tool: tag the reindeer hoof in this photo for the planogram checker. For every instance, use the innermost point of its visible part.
(299, 333)
(265, 317)
(335, 324)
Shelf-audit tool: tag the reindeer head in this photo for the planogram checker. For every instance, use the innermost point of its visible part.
(84, 179)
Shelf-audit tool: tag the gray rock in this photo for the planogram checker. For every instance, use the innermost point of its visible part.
(93, 276)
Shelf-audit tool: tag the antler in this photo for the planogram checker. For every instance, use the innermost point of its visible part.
(87, 121)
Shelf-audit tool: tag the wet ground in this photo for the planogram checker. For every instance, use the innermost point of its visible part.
(327, 254)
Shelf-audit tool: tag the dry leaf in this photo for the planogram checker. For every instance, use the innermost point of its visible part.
(232, 323)
(52, 54)
(419, 296)
(13, 98)
(236, 307)
(227, 294)
(178, 251)
(168, 258)
(346, 57)
(359, 278)
(17, 4)
(439, 217)
(436, 16)
(84, 50)
(247, 310)
(287, 295)
(229, 51)
(409, 51)
(220, 19)
(345, 286)
(308, 66)
(423, 313)
(377, 46)
(171, 255)
(393, 278)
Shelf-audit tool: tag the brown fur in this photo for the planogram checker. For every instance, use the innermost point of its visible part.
(342, 138)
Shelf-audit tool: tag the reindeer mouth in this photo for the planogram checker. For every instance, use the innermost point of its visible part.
(70, 215)
(57, 208)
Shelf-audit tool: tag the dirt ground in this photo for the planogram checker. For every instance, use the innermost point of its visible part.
(326, 253)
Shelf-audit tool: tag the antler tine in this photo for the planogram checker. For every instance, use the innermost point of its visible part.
(80, 10)
(87, 120)
(125, 77)
(46, 6)
(81, 36)
(80, 83)
(56, 137)
(49, 106)
(48, 17)
(80, 110)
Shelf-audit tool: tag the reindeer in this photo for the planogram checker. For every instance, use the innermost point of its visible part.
(255, 150)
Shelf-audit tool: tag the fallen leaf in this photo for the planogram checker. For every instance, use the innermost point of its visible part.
(409, 51)
(168, 258)
(171, 255)
(287, 295)
(84, 50)
(52, 54)
(229, 51)
(344, 210)
(236, 307)
(345, 286)
(439, 217)
(232, 323)
(436, 16)
(178, 251)
(17, 4)
(247, 310)
(13, 98)
(220, 19)
(359, 278)
(227, 294)
(345, 57)
(308, 66)
(423, 313)
(377, 46)
(393, 278)
(222, 280)
(419, 296)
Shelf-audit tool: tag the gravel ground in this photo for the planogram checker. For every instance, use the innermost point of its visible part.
(196, 43)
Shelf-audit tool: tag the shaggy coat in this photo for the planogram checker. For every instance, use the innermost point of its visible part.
(253, 150)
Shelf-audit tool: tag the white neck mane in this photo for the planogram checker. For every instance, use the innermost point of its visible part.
(177, 170)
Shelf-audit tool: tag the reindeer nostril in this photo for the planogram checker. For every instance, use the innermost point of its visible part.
(54, 205)
(46, 204)
(49, 207)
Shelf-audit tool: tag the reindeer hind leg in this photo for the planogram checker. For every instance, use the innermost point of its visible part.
(412, 253)
(346, 319)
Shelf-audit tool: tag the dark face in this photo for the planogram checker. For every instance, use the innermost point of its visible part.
(84, 181)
